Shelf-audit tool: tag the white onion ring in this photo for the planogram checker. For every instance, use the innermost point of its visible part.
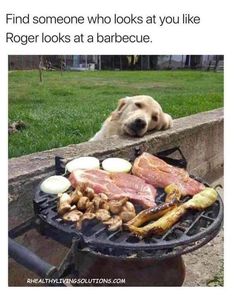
(55, 184)
(83, 163)
(116, 165)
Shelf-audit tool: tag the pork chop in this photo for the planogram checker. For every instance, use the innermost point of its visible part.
(160, 174)
(116, 185)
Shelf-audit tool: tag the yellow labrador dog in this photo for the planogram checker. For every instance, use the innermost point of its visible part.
(134, 116)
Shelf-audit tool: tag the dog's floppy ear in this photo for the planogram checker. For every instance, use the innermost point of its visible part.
(119, 110)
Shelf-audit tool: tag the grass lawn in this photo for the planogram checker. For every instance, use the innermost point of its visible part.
(70, 108)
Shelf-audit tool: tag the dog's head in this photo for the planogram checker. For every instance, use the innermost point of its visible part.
(139, 114)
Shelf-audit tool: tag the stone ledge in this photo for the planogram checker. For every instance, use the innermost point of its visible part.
(199, 136)
(37, 163)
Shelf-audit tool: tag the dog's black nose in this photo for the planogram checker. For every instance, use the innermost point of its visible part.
(138, 124)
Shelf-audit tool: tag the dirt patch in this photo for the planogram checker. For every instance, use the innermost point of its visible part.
(16, 126)
(203, 265)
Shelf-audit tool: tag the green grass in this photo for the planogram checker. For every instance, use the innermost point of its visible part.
(70, 108)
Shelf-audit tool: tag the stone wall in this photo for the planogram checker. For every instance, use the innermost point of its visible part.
(199, 136)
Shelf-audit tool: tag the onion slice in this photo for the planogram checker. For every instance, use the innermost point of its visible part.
(55, 184)
(83, 163)
(116, 165)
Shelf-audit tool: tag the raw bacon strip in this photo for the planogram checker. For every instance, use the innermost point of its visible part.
(160, 174)
(116, 185)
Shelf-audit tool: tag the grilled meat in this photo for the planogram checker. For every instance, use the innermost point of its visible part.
(160, 174)
(116, 186)
(161, 225)
(200, 201)
(152, 213)
(135, 189)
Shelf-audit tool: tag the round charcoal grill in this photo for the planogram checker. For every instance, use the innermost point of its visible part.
(94, 252)
(193, 230)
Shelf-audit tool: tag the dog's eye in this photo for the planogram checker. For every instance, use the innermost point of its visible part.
(154, 118)
(139, 105)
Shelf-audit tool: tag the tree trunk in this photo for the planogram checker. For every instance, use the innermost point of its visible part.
(187, 60)
(41, 69)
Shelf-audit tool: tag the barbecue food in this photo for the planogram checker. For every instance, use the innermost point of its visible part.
(89, 192)
(55, 184)
(90, 207)
(116, 186)
(152, 213)
(172, 192)
(161, 225)
(74, 215)
(135, 189)
(160, 174)
(97, 202)
(127, 212)
(64, 203)
(103, 196)
(129, 207)
(114, 223)
(75, 196)
(103, 215)
(126, 216)
(105, 205)
(116, 206)
(171, 201)
(88, 216)
(83, 204)
(116, 165)
(85, 216)
(83, 163)
(200, 201)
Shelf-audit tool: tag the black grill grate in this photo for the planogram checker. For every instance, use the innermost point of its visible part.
(192, 231)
